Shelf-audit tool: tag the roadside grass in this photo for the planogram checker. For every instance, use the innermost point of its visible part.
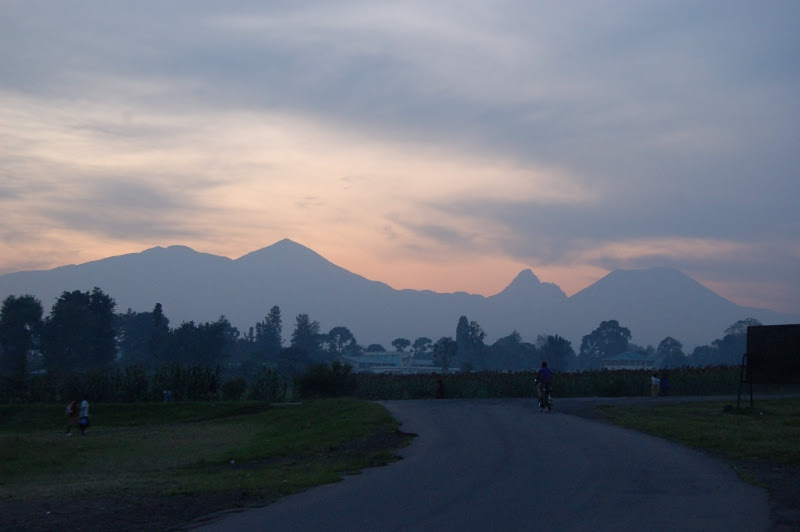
(185, 448)
(768, 431)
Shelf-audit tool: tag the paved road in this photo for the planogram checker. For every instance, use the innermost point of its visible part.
(479, 465)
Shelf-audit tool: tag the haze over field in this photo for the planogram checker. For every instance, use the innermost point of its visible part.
(430, 145)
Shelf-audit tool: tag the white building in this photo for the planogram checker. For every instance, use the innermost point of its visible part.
(629, 360)
(397, 362)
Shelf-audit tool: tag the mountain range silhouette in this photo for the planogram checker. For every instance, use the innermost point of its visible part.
(200, 287)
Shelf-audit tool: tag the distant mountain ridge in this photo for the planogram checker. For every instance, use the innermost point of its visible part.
(526, 282)
(194, 286)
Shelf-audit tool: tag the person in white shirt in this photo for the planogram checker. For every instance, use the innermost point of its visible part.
(655, 384)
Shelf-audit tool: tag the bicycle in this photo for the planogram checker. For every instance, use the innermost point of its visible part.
(546, 400)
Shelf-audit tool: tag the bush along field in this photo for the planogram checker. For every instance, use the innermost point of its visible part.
(199, 383)
(136, 385)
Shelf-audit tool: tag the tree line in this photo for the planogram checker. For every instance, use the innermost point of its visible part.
(83, 331)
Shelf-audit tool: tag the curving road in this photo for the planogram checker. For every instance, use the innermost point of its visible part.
(503, 465)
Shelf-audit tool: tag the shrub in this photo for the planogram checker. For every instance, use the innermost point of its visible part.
(321, 380)
(268, 386)
(233, 389)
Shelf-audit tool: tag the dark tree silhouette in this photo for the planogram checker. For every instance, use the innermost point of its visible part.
(340, 341)
(727, 350)
(159, 338)
(557, 352)
(471, 349)
(375, 348)
(444, 350)
(670, 353)
(733, 344)
(306, 335)
(20, 326)
(202, 344)
(134, 332)
(401, 343)
(607, 340)
(512, 353)
(268, 337)
(421, 347)
(79, 333)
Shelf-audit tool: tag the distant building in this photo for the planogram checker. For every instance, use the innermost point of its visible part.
(397, 362)
(629, 360)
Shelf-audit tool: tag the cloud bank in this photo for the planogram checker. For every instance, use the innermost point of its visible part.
(443, 146)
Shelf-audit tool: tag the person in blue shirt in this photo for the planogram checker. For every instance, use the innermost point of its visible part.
(84, 415)
(544, 378)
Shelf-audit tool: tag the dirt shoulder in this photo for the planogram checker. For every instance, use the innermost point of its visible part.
(121, 514)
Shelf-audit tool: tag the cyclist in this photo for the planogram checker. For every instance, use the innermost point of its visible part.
(544, 378)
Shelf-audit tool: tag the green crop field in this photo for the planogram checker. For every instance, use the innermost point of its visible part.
(184, 448)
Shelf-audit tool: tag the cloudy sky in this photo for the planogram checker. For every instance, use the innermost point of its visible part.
(428, 145)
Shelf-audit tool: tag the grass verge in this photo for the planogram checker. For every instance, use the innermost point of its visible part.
(190, 448)
(769, 431)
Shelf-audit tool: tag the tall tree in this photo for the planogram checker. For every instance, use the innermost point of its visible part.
(607, 340)
(375, 348)
(231, 336)
(215, 338)
(134, 330)
(306, 335)
(703, 355)
(444, 350)
(202, 344)
(739, 328)
(268, 333)
(669, 353)
(727, 350)
(421, 347)
(340, 342)
(79, 333)
(512, 353)
(160, 336)
(471, 349)
(733, 345)
(20, 326)
(557, 352)
(400, 344)
(183, 344)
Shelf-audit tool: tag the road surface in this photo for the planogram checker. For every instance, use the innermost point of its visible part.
(503, 465)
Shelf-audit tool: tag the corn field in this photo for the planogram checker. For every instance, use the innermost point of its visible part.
(134, 385)
(715, 380)
(193, 383)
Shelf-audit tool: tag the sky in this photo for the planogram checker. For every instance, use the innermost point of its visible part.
(430, 145)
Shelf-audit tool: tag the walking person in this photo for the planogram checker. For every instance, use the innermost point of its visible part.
(84, 415)
(72, 416)
(440, 389)
(664, 384)
(655, 385)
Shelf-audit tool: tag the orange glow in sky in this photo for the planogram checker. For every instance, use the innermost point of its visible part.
(424, 145)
